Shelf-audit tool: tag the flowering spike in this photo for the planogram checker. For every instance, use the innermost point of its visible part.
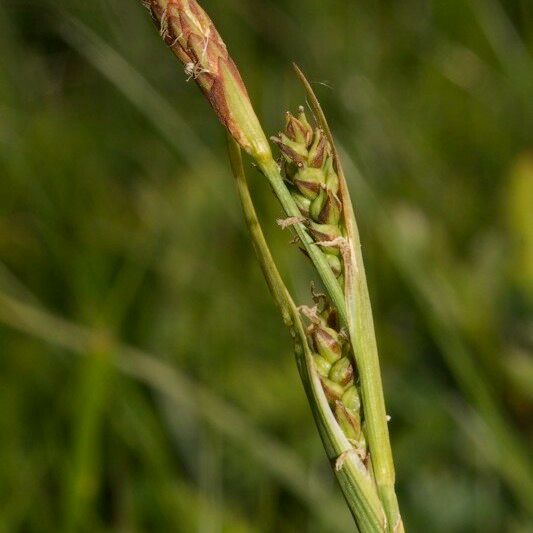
(189, 32)
(308, 166)
(336, 370)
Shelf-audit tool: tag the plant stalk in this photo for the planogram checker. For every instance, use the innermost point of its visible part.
(356, 484)
(193, 38)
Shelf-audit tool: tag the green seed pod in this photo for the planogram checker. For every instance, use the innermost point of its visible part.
(309, 181)
(351, 400)
(327, 343)
(330, 211)
(332, 390)
(342, 372)
(302, 202)
(322, 365)
(305, 124)
(350, 423)
(293, 151)
(325, 233)
(298, 129)
(318, 204)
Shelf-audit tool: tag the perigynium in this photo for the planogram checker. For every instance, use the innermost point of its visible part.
(334, 340)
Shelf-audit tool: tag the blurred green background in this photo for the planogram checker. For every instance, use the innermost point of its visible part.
(146, 380)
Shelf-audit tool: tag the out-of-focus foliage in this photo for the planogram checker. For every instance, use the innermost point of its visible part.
(118, 214)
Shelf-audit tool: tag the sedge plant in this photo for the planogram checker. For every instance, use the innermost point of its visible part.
(334, 340)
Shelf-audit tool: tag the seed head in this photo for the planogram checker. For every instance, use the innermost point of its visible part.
(192, 36)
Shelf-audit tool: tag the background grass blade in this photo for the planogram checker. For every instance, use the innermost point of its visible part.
(225, 419)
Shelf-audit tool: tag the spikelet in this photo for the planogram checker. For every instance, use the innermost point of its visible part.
(333, 361)
(191, 35)
(308, 167)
